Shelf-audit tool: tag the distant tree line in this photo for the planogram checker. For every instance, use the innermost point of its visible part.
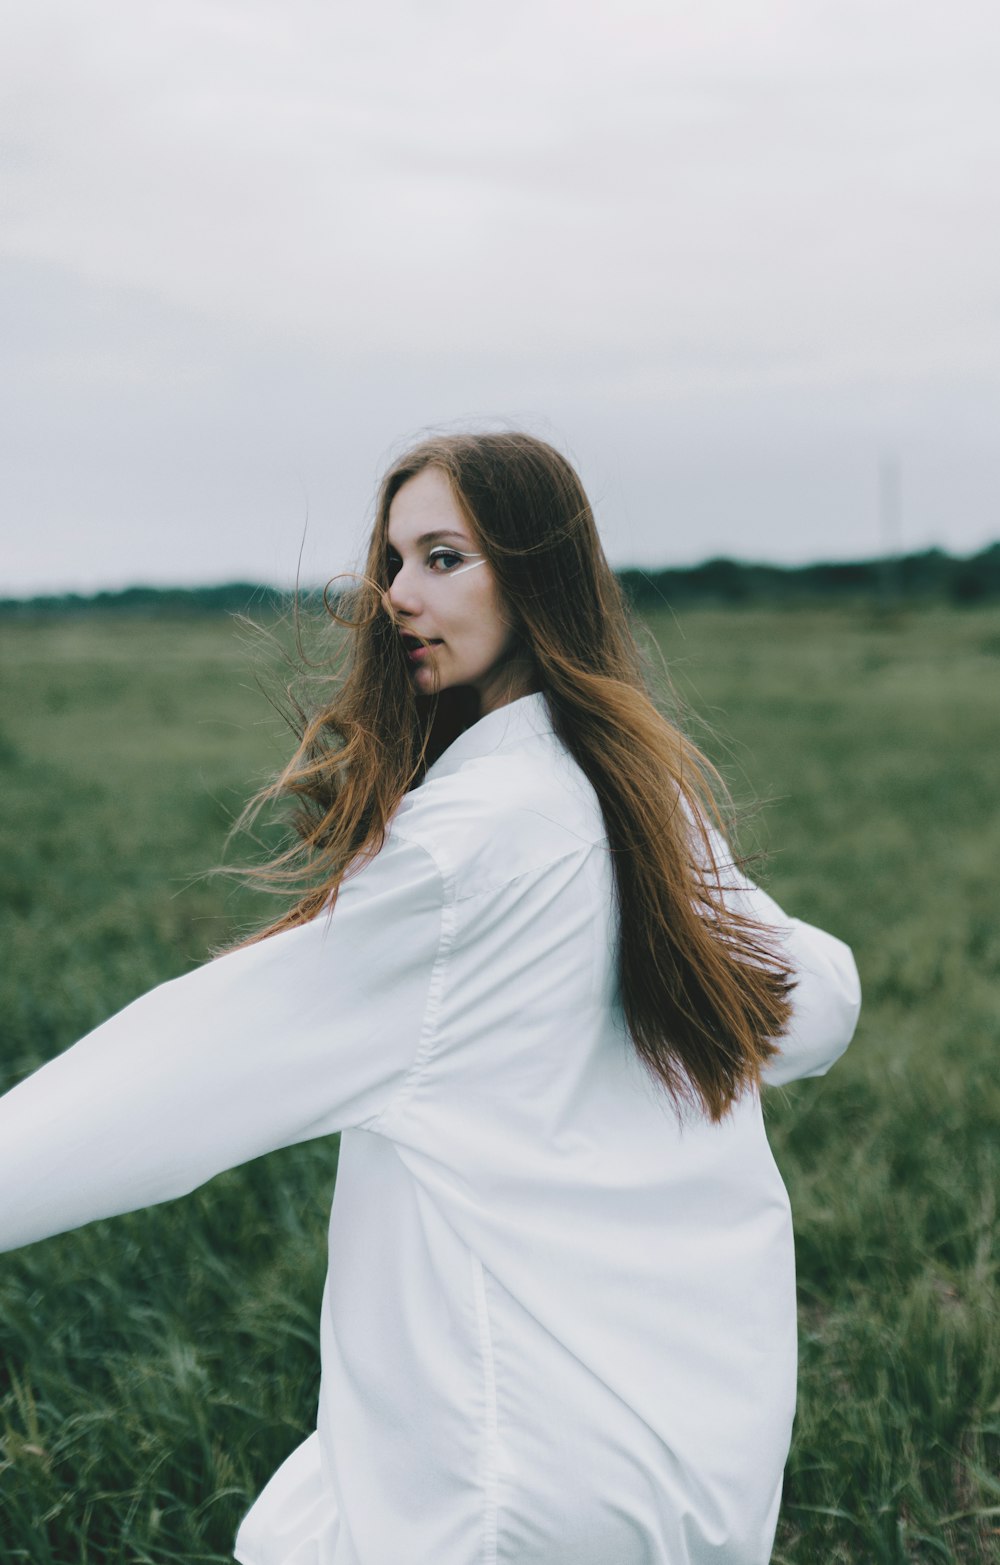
(235, 597)
(930, 577)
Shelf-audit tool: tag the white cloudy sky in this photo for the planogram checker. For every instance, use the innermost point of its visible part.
(729, 256)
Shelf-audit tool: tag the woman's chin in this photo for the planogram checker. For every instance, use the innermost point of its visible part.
(425, 679)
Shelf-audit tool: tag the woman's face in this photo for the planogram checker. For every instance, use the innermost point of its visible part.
(441, 588)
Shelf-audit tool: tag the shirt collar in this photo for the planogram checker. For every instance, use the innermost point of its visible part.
(505, 729)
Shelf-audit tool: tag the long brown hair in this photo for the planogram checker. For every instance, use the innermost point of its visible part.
(703, 989)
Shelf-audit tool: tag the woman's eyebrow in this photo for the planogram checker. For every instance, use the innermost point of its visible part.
(443, 532)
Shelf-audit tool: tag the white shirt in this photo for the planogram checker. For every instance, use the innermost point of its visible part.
(558, 1325)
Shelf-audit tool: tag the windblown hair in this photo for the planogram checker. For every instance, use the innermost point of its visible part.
(704, 992)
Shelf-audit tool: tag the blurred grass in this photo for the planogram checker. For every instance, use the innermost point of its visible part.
(156, 1369)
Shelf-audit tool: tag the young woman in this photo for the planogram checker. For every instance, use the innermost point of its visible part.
(524, 980)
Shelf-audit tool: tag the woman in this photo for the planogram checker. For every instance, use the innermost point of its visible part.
(524, 981)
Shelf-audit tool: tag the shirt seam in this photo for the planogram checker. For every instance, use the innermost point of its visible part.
(490, 1478)
(448, 874)
(446, 939)
(512, 880)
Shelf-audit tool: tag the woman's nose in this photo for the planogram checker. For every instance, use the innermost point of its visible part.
(401, 594)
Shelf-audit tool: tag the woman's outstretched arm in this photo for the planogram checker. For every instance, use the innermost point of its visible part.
(309, 1032)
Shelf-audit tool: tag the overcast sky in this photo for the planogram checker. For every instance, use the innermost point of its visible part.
(729, 257)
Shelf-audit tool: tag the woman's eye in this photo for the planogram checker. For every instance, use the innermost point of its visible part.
(392, 564)
(444, 559)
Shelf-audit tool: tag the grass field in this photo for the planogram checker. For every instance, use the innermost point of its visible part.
(155, 1369)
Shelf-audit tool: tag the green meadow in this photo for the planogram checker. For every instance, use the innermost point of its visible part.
(155, 1369)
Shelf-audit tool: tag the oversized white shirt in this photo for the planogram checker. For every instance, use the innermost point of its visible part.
(559, 1323)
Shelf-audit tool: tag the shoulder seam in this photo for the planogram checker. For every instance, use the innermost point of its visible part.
(582, 850)
(446, 939)
(449, 874)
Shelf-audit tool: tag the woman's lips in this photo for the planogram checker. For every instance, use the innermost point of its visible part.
(416, 650)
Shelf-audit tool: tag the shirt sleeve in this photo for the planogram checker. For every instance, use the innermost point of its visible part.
(826, 999)
(310, 1031)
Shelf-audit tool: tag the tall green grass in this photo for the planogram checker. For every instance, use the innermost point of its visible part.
(156, 1368)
